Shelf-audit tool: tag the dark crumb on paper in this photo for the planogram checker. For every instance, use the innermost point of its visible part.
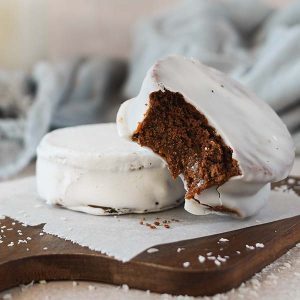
(158, 223)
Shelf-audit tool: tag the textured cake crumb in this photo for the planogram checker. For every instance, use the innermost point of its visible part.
(182, 136)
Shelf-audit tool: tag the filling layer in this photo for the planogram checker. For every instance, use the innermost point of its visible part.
(181, 135)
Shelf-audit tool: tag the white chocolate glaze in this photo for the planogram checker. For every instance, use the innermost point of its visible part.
(260, 141)
(90, 169)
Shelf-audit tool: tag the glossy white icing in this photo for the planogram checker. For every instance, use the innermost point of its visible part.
(88, 167)
(260, 141)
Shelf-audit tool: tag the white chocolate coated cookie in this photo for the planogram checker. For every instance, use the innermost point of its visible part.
(260, 141)
(90, 169)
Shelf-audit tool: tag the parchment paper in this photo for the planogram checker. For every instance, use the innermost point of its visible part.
(123, 236)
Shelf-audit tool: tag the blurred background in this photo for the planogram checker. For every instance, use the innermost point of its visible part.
(64, 63)
(33, 30)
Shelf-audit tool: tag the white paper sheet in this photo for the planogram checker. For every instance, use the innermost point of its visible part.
(124, 237)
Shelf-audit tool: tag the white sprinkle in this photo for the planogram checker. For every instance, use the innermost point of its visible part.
(259, 245)
(209, 253)
(125, 287)
(250, 247)
(29, 238)
(20, 233)
(201, 182)
(9, 229)
(2, 227)
(74, 283)
(41, 233)
(238, 252)
(186, 264)
(201, 259)
(223, 240)
(221, 259)
(24, 287)
(92, 287)
(1, 242)
(180, 249)
(10, 244)
(42, 282)
(226, 256)
(217, 263)
(22, 241)
(211, 257)
(288, 265)
(152, 250)
(27, 249)
(7, 297)
(45, 248)
(291, 181)
(13, 223)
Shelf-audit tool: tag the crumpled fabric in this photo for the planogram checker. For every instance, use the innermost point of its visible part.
(75, 92)
(252, 42)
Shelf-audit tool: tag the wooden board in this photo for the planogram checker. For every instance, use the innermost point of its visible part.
(46, 257)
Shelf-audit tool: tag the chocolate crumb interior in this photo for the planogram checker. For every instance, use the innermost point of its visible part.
(180, 134)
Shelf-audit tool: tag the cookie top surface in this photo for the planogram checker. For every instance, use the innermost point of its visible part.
(95, 147)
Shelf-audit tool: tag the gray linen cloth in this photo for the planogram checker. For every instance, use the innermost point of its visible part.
(54, 95)
(254, 43)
